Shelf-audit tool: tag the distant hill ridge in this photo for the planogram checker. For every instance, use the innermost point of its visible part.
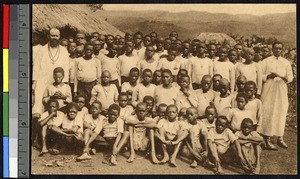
(192, 23)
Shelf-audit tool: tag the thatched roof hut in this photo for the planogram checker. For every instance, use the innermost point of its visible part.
(218, 37)
(76, 17)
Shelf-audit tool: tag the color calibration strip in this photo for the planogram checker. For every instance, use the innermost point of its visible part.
(13, 90)
(5, 91)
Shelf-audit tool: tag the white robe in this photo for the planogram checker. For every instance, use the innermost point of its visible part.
(274, 96)
(43, 73)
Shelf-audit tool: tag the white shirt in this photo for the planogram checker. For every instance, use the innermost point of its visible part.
(200, 67)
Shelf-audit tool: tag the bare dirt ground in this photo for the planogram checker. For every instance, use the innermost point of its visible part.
(283, 161)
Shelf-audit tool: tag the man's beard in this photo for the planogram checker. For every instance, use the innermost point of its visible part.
(54, 42)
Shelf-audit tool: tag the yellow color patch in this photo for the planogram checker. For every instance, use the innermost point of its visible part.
(5, 70)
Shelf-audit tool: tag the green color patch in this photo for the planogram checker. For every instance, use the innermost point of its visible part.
(5, 113)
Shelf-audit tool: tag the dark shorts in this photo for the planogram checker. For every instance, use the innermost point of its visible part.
(85, 89)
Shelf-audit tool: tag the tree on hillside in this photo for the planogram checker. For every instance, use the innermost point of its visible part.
(95, 7)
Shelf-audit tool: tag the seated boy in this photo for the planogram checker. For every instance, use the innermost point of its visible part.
(58, 90)
(149, 100)
(91, 124)
(51, 117)
(141, 130)
(82, 110)
(197, 141)
(219, 140)
(69, 129)
(250, 146)
(161, 112)
(236, 115)
(171, 133)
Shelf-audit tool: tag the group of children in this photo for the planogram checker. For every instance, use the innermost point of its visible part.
(160, 96)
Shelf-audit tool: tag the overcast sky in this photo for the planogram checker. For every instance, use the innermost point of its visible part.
(254, 9)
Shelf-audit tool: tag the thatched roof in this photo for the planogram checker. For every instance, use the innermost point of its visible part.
(77, 16)
(219, 37)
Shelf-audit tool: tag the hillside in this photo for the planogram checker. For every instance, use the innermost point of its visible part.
(190, 24)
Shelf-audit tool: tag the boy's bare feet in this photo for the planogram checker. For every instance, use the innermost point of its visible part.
(194, 164)
(131, 158)
(84, 156)
(113, 160)
(154, 159)
(173, 163)
(165, 159)
(93, 151)
(219, 169)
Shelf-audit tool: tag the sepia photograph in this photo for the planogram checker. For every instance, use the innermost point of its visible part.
(149, 89)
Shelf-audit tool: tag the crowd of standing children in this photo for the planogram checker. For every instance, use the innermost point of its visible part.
(164, 96)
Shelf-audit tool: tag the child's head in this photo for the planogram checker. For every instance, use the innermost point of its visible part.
(153, 36)
(181, 73)
(128, 36)
(134, 74)
(206, 83)
(246, 126)
(212, 50)
(96, 109)
(72, 109)
(178, 43)
(141, 111)
(97, 45)
(159, 43)
(105, 77)
(112, 50)
(201, 48)
(129, 47)
(221, 124)
(184, 81)
(172, 112)
(80, 38)
(216, 82)
(185, 48)
(138, 38)
(150, 51)
(149, 100)
(248, 55)
(109, 40)
(52, 105)
(238, 48)
(79, 51)
(172, 53)
(157, 77)
(191, 114)
(211, 113)
(167, 43)
(161, 110)
(58, 75)
(250, 89)
(194, 46)
(88, 50)
(173, 34)
(182, 112)
(147, 76)
(147, 40)
(242, 100)
(224, 86)
(64, 42)
(80, 101)
(240, 83)
(123, 99)
(72, 47)
(232, 55)
(166, 77)
(222, 53)
(113, 113)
